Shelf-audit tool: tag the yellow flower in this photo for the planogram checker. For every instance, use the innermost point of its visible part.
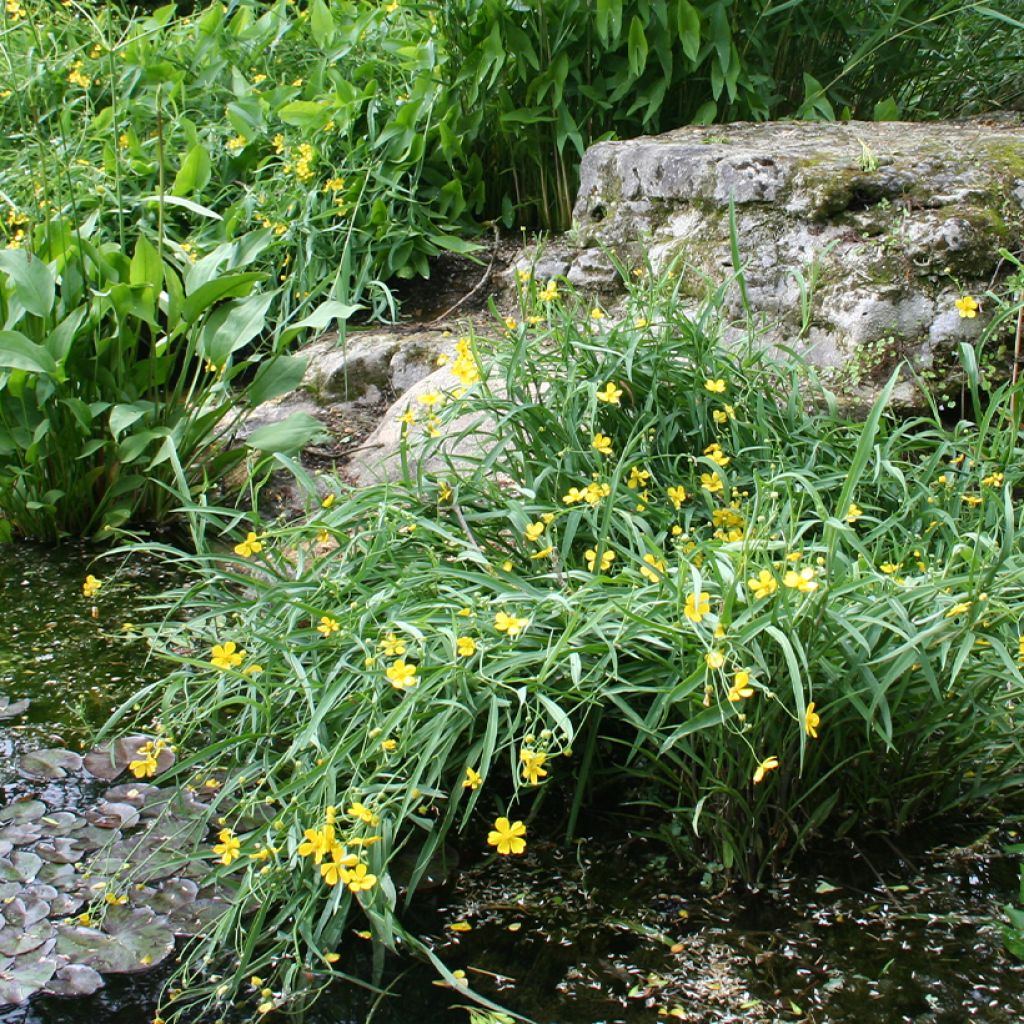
(597, 313)
(359, 879)
(327, 625)
(711, 482)
(741, 688)
(610, 394)
(228, 847)
(362, 813)
(993, 480)
(543, 553)
(402, 676)
(891, 567)
(603, 444)
(677, 495)
(532, 768)
(465, 646)
(811, 721)
(91, 586)
(573, 496)
(854, 512)
(967, 307)
(319, 843)
(767, 765)
(408, 417)
(971, 499)
(714, 659)
(388, 745)
(507, 836)
(430, 399)
(549, 293)
(723, 415)
(444, 493)
(958, 609)
(509, 624)
(328, 501)
(472, 780)
(716, 387)
(803, 580)
(715, 454)
(697, 606)
(534, 531)
(392, 646)
(1020, 648)
(594, 492)
(653, 569)
(763, 585)
(607, 557)
(638, 478)
(226, 655)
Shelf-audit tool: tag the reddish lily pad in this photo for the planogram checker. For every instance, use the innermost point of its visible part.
(110, 815)
(111, 759)
(11, 709)
(74, 980)
(21, 866)
(60, 851)
(54, 763)
(22, 811)
(15, 940)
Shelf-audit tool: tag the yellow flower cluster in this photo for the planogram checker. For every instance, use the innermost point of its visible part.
(465, 368)
(91, 586)
(228, 849)
(335, 862)
(77, 77)
(144, 766)
(591, 494)
(15, 12)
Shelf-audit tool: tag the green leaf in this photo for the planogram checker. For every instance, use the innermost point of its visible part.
(232, 326)
(32, 279)
(276, 377)
(886, 110)
(325, 314)
(18, 353)
(321, 24)
(689, 29)
(637, 49)
(186, 204)
(287, 436)
(146, 266)
(306, 114)
(123, 416)
(194, 172)
(206, 296)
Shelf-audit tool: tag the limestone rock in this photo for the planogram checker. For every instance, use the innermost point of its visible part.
(855, 239)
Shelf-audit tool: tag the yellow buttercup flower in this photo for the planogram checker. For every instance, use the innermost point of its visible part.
(534, 531)
(250, 546)
(532, 767)
(993, 480)
(549, 293)
(811, 721)
(228, 847)
(328, 625)
(967, 307)
(601, 443)
(711, 482)
(854, 512)
(716, 387)
(697, 606)
(763, 585)
(359, 879)
(392, 646)
(362, 813)
(653, 569)
(767, 765)
(401, 675)
(714, 659)
(472, 780)
(741, 688)
(891, 567)
(610, 394)
(677, 495)
(803, 580)
(638, 478)
(507, 836)
(226, 656)
(465, 646)
(91, 586)
(509, 624)
(607, 557)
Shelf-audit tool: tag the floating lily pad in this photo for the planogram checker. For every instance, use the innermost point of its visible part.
(54, 763)
(23, 977)
(108, 814)
(138, 794)
(132, 940)
(24, 911)
(60, 851)
(60, 876)
(14, 940)
(65, 904)
(5, 847)
(21, 835)
(11, 709)
(21, 866)
(9, 890)
(111, 759)
(93, 838)
(60, 823)
(22, 811)
(74, 980)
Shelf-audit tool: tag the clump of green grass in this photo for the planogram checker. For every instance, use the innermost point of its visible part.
(671, 580)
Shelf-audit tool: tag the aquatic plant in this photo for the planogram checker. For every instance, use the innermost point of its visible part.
(628, 568)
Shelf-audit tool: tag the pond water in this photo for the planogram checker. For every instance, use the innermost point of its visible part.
(607, 931)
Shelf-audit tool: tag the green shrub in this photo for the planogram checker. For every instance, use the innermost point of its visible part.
(674, 581)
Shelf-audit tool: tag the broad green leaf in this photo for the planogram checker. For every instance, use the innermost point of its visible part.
(31, 279)
(186, 204)
(146, 266)
(194, 172)
(232, 326)
(307, 114)
(325, 314)
(208, 295)
(276, 377)
(689, 29)
(637, 48)
(18, 353)
(289, 435)
(123, 416)
(321, 24)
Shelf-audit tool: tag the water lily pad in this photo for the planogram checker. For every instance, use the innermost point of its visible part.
(54, 763)
(108, 814)
(39, 891)
(74, 980)
(149, 859)
(11, 709)
(60, 876)
(15, 941)
(60, 823)
(5, 847)
(138, 794)
(21, 835)
(21, 866)
(23, 911)
(93, 838)
(132, 940)
(23, 977)
(64, 904)
(109, 760)
(60, 851)
(9, 890)
(22, 811)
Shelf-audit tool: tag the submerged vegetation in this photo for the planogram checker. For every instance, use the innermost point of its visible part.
(635, 580)
(629, 570)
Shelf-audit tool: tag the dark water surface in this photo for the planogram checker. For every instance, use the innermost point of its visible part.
(605, 931)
